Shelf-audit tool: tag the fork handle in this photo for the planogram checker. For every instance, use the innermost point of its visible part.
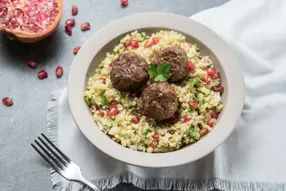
(89, 184)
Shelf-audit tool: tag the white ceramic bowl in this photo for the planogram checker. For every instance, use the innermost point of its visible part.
(94, 50)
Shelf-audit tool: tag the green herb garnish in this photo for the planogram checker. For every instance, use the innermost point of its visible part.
(195, 81)
(161, 73)
(191, 110)
(103, 101)
(87, 100)
(116, 52)
(145, 132)
(196, 47)
(201, 103)
(195, 99)
(193, 133)
(142, 38)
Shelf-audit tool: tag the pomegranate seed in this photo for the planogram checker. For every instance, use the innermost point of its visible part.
(151, 78)
(85, 26)
(187, 118)
(191, 66)
(216, 76)
(203, 132)
(94, 107)
(32, 64)
(110, 65)
(76, 49)
(155, 41)
(74, 10)
(135, 119)
(42, 74)
(147, 44)
(154, 143)
(211, 71)
(68, 30)
(219, 89)
(211, 122)
(214, 114)
(134, 44)
(59, 71)
(102, 80)
(193, 104)
(112, 104)
(70, 22)
(156, 135)
(206, 79)
(7, 101)
(124, 2)
(127, 44)
(112, 112)
(101, 113)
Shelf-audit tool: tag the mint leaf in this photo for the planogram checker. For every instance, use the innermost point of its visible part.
(163, 69)
(152, 70)
(160, 78)
(145, 132)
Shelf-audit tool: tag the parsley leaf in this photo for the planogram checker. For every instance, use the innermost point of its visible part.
(87, 100)
(196, 47)
(103, 101)
(161, 73)
(116, 52)
(191, 110)
(145, 132)
(193, 82)
(193, 133)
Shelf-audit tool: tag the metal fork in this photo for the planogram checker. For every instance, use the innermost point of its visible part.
(60, 162)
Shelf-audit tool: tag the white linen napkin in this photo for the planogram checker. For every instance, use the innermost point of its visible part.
(252, 158)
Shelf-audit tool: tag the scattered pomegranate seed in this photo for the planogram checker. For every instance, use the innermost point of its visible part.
(94, 107)
(74, 10)
(112, 112)
(134, 44)
(211, 122)
(206, 79)
(203, 132)
(102, 80)
(85, 26)
(155, 41)
(154, 143)
(191, 66)
(151, 78)
(219, 89)
(112, 104)
(76, 49)
(32, 64)
(101, 113)
(127, 44)
(214, 114)
(124, 2)
(216, 76)
(147, 44)
(59, 71)
(187, 118)
(193, 104)
(7, 101)
(68, 30)
(211, 71)
(70, 22)
(155, 135)
(135, 119)
(110, 65)
(42, 74)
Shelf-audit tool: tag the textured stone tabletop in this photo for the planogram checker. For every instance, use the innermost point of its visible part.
(21, 169)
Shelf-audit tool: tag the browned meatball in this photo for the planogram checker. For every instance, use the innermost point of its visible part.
(129, 72)
(177, 57)
(159, 101)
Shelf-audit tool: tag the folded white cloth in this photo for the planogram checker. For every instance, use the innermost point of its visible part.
(253, 156)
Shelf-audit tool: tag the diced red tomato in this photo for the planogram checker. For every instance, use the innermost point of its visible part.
(193, 104)
(134, 44)
(191, 66)
(211, 71)
(135, 119)
(187, 118)
(155, 40)
(112, 112)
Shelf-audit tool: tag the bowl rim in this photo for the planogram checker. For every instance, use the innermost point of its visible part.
(229, 63)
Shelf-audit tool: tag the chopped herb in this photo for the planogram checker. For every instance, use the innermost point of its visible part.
(145, 132)
(116, 52)
(195, 99)
(177, 94)
(161, 73)
(87, 100)
(142, 38)
(192, 82)
(201, 103)
(103, 101)
(191, 110)
(193, 133)
(196, 47)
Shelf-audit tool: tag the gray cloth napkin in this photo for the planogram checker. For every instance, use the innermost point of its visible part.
(252, 158)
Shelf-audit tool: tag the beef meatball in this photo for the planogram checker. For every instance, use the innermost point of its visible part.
(177, 57)
(129, 72)
(159, 101)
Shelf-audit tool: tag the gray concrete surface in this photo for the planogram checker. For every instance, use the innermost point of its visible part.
(21, 169)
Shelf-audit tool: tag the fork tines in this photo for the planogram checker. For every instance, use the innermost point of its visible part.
(51, 154)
